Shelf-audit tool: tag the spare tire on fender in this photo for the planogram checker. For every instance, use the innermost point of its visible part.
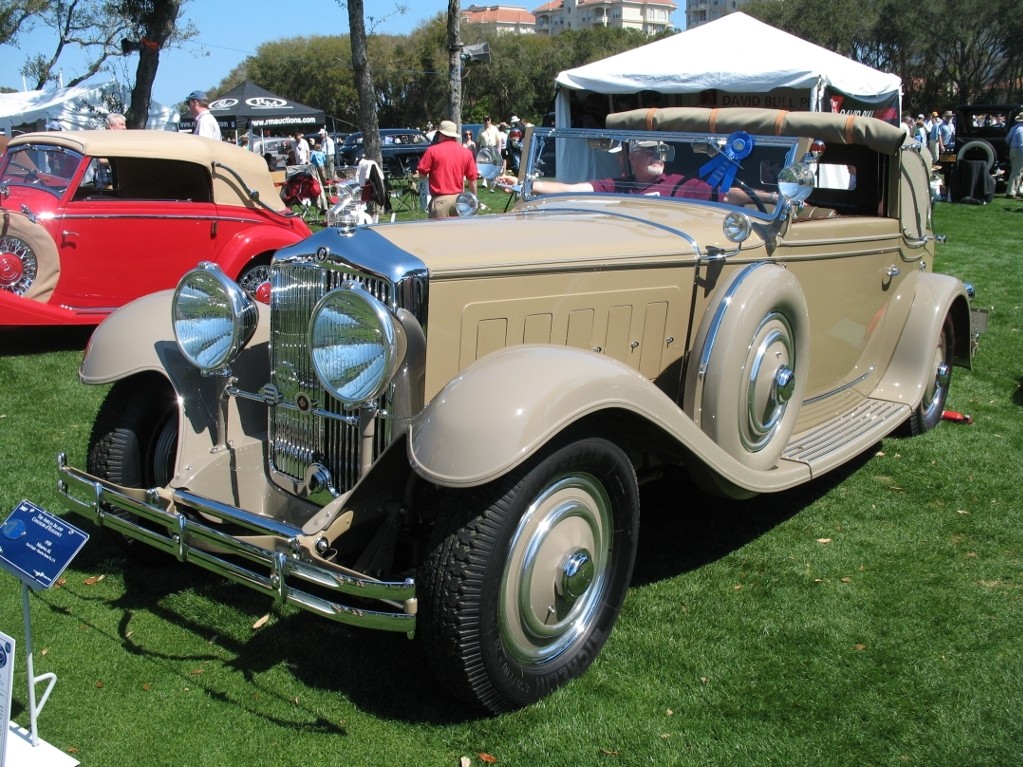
(750, 363)
(29, 264)
(972, 147)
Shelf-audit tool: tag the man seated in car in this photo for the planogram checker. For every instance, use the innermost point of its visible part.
(644, 174)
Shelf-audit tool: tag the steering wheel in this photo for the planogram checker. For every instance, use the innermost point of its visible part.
(31, 174)
(752, 194)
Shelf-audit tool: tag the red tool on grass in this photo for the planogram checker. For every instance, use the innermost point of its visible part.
(955, 417)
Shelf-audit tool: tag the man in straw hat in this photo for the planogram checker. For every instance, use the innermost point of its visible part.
(447, 165)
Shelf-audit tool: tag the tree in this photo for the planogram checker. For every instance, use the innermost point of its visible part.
(91, 25)
(104, 29)
(975, 55)
(364, 82)
(454, 64)
(17, 16)
(154, 23)
(410, 73)
(316, 70)
(970, 60)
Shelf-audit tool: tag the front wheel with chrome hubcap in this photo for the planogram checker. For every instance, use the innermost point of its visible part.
(518, 599)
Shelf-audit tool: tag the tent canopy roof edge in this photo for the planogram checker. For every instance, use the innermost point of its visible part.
(699, 60)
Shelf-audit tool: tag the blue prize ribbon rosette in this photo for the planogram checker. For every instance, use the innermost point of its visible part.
(720, 171)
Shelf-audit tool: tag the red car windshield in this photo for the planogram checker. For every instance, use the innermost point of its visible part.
(39, 166)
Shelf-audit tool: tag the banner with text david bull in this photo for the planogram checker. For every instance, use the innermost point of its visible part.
(884, 106)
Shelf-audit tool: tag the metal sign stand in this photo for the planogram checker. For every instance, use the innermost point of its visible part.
(25, 748)
(35, 546)
(50, 677)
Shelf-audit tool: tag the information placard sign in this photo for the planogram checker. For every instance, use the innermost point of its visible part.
(6, 678)
(36, 546)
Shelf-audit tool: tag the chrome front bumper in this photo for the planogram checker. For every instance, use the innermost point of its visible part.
(280, 574)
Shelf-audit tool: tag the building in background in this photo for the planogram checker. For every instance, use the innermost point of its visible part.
(649, 16)
(701, 11)
(505, 18)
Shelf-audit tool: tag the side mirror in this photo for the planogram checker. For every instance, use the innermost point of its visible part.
(795, 182)
(467, 204)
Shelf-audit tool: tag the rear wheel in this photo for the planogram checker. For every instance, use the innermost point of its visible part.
(927, 414)
(135, 438)
(528, 575)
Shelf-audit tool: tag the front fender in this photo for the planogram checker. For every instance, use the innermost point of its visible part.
(247, 245)
(497, 413)
(139, 337)
(135, 338)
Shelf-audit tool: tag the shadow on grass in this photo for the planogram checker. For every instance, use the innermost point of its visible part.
(40, 340)
(683, 528)
(384, 673)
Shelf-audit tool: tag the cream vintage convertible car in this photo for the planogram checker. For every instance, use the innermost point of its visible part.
(439, 428)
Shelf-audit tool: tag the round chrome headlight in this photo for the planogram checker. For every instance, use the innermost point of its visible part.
(213, 317)
(355, 343)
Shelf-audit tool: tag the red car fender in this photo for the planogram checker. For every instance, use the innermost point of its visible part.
(257, 241)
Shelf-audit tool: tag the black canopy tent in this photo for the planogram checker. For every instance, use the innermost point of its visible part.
(249, 106)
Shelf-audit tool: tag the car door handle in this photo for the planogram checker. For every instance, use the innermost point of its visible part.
(65, 234)
(893, 271)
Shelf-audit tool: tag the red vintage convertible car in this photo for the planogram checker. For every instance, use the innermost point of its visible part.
(94, 219)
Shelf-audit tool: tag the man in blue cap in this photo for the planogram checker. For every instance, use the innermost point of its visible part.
(205, 123)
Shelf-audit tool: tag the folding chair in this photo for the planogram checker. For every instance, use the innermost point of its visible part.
(302, 187)
(404, 194)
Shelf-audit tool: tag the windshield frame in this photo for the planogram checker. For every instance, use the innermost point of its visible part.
(590, 154)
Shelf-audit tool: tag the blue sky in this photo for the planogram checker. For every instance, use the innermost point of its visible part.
(230, 31)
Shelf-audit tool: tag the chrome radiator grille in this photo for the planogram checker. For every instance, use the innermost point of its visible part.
(303, 441)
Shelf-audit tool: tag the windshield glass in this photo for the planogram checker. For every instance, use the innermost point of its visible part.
(671, 165)
(39, 166)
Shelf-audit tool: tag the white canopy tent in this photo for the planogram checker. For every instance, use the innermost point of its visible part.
(80, 107)
(733, 61)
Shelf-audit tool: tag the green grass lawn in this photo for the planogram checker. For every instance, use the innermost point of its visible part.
(872, 618)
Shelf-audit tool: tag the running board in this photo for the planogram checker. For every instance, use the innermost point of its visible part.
(848, 434)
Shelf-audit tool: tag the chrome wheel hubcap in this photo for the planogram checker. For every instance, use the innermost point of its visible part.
(557, 570)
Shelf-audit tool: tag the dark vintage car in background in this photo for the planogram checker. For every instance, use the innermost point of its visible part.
(95, 219)
(981, 131)
(422, 435)
(400, 150)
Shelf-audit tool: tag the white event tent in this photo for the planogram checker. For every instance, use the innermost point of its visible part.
(79, 107)
(733, 61)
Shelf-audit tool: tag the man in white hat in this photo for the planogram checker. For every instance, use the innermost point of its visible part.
(447, 165)
(1015, 141)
